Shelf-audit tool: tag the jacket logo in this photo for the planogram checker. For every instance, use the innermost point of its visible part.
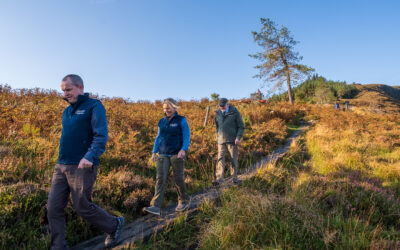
(173, 125)
(80, 112)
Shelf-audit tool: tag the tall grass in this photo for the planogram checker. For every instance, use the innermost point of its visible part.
(366, 143)
(30, 127)
(292, 206)
(304, 201)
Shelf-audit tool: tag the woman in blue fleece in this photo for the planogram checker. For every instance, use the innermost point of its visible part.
(171, 144)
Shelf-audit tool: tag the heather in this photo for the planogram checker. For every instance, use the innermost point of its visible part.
(336, 188)
(30, 127)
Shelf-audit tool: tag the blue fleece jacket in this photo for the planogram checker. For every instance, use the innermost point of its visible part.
(172, 136)
(84, 131)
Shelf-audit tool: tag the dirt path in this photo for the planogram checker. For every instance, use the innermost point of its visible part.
(144, 227)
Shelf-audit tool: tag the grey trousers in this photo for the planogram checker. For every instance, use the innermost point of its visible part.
(232, 149)
(163, 165)
(79, 182)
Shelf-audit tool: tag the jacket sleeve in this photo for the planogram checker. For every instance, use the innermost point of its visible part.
(100, 132)
(216, 126)
(157, 142)
(185, 134)
(240, 126)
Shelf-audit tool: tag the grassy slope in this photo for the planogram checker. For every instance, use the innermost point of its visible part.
(338, 188)
(30, 129)
(377, 98)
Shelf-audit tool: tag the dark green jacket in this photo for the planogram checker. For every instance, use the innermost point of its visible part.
(229, 126)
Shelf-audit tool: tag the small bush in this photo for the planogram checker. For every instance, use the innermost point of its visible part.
(270, 179)
(183, 233)
(351, 198)
(124, 190)
(20, 205)
(251, 220)
(318, 89)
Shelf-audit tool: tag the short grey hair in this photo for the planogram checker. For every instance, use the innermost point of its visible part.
(75, 79)
(171, 103)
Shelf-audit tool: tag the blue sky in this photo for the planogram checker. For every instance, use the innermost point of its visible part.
(148, 50)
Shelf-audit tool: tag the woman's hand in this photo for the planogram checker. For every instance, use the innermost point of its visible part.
(237, 141)
(154, 157)
(85, 163)
(181, 154)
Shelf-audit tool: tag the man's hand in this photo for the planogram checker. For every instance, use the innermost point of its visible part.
(154, 157)
(237, 141)
(181, 154)
(85, 163)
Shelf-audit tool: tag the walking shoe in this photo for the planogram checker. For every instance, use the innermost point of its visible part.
(153, 210)
(182, 207)
(236, 181)
(112, 239)
(216, 183)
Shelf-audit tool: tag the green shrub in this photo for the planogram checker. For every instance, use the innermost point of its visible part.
(124, 190)
(249, 220)
(22, 216)
(270, 179)
(352, 233)
(318, 89)
(278, 177)
(183, 232)
(349, 197)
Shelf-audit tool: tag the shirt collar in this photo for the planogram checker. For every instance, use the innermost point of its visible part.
(81, 98)
(226, 110)
(175, 114)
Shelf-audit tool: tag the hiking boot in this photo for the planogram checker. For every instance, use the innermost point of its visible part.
(182, 207)
(153, 210)
(112, 239)
(216, 183)
(236, 181)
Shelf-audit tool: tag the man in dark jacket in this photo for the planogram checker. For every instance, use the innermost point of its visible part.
(83, 139)
(229, 128)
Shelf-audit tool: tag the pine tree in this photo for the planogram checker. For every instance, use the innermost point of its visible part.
(279, 62)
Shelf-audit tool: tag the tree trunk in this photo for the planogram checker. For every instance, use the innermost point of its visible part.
(289, 87)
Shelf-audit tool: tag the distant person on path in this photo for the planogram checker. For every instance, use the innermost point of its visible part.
(229, 128)
(171, 144)
(83, 139)
(337, 106)
(347, 104)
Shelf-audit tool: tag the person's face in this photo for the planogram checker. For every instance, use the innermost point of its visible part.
(223, 108)
(71, 92)
(168, 111)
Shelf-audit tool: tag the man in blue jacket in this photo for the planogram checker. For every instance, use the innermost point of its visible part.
(83, 139)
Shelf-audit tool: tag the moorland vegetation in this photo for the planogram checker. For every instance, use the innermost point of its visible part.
(336, 188)
(30, 128)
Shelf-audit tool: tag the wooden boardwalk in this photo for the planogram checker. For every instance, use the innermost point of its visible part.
(144, 227)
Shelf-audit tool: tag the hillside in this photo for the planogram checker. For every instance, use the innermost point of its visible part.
(378, 97)
(30, 127)
(372, 97)
(337, 188)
